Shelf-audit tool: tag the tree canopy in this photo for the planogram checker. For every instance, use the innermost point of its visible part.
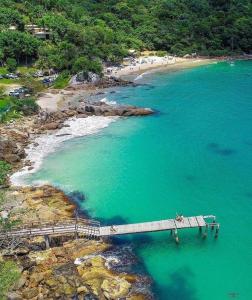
(105, 30)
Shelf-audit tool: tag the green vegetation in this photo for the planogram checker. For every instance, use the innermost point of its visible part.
(11, 64)
(161, 53)
(62, 80)
(4, 170)
(12, 108)
(82, 31)
(9, 274)
(2, 197)
(26, 106)
(23, 70)
(7, 224)
(6, 81)
(32, 84)
(83, 65)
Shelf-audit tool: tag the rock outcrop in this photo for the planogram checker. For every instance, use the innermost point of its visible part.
(55, 273)
(16, 136)
(54, 120)
(52, 274)
(10, 150)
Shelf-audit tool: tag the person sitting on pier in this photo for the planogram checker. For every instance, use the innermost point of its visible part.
(179, 218)
(112, 228)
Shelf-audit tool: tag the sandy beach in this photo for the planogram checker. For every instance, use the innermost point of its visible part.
(153, 63)
(52, 99)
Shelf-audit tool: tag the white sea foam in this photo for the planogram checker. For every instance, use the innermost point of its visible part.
(139, 77)
(109, 260)
(47, 143)
(142, 75)
(105, 100)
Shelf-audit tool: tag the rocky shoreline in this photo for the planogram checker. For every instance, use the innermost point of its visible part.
(71, 269)
(16, 136)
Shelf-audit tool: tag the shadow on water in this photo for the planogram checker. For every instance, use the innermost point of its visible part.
(190, 178)
(248, 195)
(78, 198)
(248, 143)
(127, 249)
(149, 87)
(116, 220)
(178, 287)
(217, 149)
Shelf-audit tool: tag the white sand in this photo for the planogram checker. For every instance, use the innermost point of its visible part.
(143, 64)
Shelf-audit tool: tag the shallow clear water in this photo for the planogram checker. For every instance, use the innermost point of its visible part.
(193, 157)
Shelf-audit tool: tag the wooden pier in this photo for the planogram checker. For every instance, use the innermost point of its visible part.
(163, 225)
(86, 228)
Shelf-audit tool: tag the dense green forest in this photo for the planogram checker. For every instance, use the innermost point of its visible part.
(88, 31)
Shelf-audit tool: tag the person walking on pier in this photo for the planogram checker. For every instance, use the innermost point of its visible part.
(179, 218)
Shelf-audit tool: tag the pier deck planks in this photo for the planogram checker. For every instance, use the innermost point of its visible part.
(162, 225)
(73, 227)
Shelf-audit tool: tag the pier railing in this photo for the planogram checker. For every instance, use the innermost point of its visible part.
(91, 228)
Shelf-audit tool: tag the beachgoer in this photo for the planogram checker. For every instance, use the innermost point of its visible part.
(112, 228)
(179, 218)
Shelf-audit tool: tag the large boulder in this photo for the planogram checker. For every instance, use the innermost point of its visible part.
(115, 288)
(11, 158)
(51, 126)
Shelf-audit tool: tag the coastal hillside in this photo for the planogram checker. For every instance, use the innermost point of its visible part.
(106, 123)
(74, 35)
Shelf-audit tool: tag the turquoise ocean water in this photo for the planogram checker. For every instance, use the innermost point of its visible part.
(194, 156)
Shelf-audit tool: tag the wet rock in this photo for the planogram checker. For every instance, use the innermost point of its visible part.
(89, 109)
(90, 297)
(115, 288)
(27, 163)
(81, 110)
(80, 115)
(139, 297)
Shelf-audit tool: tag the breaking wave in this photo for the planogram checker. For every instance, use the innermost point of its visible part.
(45, 144)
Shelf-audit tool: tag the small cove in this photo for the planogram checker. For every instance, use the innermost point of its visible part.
(193, 157)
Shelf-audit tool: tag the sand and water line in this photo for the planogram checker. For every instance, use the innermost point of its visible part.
(194, 156)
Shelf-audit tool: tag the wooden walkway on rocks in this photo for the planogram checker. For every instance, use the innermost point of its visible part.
(88, 228)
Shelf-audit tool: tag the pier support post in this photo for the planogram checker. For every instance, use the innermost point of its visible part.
(176, 236)
(200, 229)
(205, 232)
(47, 241)
(217, 231)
